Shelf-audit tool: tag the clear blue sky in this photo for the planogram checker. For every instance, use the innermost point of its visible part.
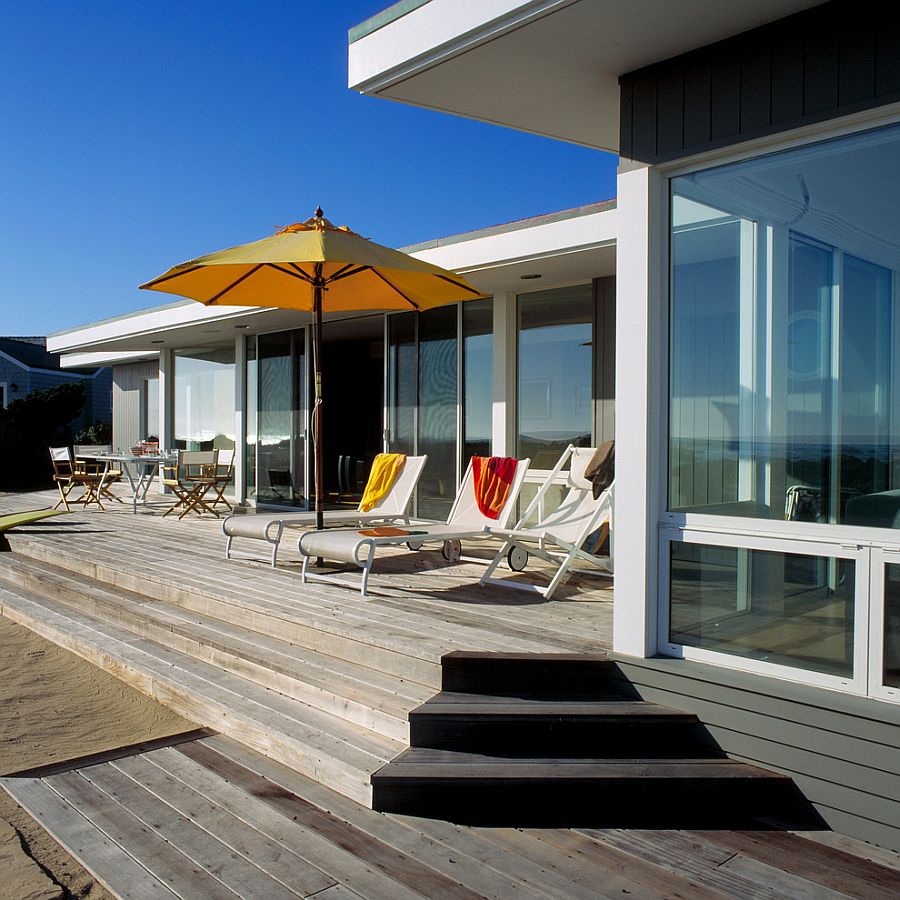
(137, 135)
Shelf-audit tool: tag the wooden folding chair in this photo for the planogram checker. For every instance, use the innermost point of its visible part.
(191, 480)
(68, 475)
(86, 459)
(224, 476)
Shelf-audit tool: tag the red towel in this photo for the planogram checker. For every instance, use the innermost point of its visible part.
(493, 478)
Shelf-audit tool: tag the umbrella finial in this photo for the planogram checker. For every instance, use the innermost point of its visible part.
(318, 213)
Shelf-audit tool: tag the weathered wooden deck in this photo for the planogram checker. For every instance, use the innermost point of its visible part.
(208, 818)
(442, 604)
(311, 688)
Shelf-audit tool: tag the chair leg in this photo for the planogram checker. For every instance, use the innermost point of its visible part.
(63, 497)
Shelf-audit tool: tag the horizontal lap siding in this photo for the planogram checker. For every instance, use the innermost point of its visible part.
(829, 61)
(841, 751)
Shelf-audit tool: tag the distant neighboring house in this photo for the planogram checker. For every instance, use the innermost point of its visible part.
(26, 366)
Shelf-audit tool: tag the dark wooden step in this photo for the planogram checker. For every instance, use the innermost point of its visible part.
(528, 674)
(635, 793)
(537, 726)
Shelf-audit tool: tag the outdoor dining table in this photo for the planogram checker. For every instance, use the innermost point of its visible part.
(138, 469)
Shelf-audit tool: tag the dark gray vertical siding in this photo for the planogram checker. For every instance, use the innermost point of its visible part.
(841, 751)
(828, 61)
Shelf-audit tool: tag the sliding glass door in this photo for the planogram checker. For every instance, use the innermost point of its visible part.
(281, 418)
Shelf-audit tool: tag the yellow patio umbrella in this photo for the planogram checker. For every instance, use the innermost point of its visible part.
(318, 267)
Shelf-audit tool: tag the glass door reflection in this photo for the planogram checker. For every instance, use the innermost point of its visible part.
(281, 418)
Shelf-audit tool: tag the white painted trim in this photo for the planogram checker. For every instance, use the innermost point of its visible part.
(433, 33)
(640, 358)
(166, 403)
(240, 417)
(102, 360)
(503, 403)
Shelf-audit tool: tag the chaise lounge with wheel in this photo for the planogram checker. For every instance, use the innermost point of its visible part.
(359, 547)
(558, 537)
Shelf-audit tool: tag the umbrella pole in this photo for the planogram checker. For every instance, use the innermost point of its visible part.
(318, 442)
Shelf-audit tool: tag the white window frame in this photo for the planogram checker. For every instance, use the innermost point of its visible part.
(858, 683)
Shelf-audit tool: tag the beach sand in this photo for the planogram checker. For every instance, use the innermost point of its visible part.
(54, 706)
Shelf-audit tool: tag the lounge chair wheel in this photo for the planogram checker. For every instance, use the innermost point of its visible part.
(451, 551)
(517, 558)
(414, 545)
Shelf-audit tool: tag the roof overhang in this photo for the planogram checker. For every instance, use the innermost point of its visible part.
(568, 247)
(549, 67)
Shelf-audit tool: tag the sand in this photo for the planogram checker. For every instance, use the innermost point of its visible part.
(54, 706)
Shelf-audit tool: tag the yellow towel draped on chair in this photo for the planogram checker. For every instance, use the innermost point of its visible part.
(385, 467)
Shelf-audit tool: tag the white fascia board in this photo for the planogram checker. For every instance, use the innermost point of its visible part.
(429, 33)
(112, 358)
(158, 319)
(538, 242)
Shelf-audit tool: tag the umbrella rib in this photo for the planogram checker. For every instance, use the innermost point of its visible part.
(169, 275)
(343, 273)
(340, 272)
(458, 284)
(378, 274)
(303, 273)
(233, 285)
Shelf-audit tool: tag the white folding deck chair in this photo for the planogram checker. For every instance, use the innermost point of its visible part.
(465, 522)
(269, 527)
(557, 537)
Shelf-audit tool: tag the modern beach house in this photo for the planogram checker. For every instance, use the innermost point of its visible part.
(732, 319)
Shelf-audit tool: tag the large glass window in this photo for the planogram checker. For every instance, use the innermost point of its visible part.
(204, 398)
(478, 326)
(783, 608)
(783, 387)
(438, 392)
(150, 423)
(555, 373)
(280, 449)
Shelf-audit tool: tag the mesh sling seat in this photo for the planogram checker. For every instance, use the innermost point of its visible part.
(558, 537)
(269, 527)
(357, 547)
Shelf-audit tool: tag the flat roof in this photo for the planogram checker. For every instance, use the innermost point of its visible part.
(540, 65)
(564, 247)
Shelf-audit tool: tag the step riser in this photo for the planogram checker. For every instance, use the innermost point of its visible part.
(529, 738)
(279, 746)
(524, 677)
(129, 617)
(638, 803)
(420, 671)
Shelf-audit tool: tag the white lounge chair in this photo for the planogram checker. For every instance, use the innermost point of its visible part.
(269, 527)
(465, 522)
(558, 537)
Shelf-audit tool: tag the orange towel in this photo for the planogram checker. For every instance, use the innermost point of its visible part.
(385, 467)
(493, 478)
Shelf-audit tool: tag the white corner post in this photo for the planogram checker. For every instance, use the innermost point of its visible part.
(640, 406)
(503, 407)
(240, 418)
(166, 404)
